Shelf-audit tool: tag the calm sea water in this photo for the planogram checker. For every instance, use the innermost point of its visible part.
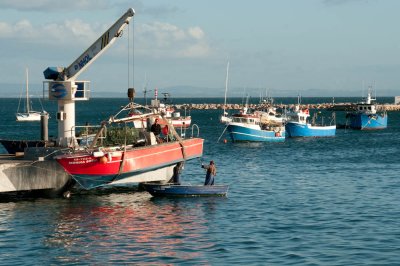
(327, 201)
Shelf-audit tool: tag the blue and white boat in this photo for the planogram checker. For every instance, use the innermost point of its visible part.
(298, 124)
(255, 126)
(366, 116)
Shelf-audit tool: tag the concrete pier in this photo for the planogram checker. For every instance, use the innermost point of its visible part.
(23, 173)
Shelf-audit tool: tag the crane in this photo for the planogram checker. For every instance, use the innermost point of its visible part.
(63, 87)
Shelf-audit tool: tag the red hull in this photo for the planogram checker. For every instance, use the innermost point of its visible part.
(139, 159)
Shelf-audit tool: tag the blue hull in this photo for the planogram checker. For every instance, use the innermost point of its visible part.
(241, 133)
(368, 122)
(294, 130)
(185, 190)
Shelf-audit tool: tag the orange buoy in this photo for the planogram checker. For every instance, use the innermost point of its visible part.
(225, 141)
(103, 159)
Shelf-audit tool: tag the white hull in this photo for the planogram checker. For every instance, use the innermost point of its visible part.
(32, 116)
(182, 122)
(162, 175)
(29, 114)
(225, 119)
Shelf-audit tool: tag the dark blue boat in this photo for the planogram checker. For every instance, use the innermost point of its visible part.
(163, 190)
(366, 117)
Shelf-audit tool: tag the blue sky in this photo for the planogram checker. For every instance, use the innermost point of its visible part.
(313, 47)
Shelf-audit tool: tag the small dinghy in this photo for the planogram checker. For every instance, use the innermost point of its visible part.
(163, 190)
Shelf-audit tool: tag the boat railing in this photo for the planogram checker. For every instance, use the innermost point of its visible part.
(333, 119)
(195, 128)
(320, 120)
(86, 136)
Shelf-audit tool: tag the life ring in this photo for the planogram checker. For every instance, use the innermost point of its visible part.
(277, 134)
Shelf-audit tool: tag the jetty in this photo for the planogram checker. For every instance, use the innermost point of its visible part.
(318, 106)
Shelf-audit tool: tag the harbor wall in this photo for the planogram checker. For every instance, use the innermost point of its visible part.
(322, 106)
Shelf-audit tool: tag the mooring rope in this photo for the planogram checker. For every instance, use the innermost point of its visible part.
(222, 133)
(176, 135)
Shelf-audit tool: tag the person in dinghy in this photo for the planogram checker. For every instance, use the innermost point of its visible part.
(211, 173)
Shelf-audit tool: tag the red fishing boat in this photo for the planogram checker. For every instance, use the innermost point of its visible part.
(93, 168)
(121, 153)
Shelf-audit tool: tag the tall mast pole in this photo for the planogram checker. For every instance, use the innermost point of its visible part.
(27, 93)
(226, 84)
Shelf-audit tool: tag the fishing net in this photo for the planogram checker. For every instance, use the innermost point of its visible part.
(121, 135)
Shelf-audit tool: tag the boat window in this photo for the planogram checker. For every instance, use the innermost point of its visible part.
(369, 107)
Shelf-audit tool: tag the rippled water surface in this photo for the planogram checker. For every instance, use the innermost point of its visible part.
(327, 201)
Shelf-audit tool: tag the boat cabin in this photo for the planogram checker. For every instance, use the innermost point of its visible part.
(367, 107)
(299, 116)
(246, 119)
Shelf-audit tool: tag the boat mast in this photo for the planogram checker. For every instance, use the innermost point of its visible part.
(27, 93)
(226, 85)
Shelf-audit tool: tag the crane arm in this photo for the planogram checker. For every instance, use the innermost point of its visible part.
(92, 53)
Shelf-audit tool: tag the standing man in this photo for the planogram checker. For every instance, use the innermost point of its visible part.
(211, 172)
(156, 128)
(176, 179)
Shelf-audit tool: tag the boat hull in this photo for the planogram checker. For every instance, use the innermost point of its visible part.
(178, 122)
(166, 190)
(368, 122)
(141, 164)
(28, 117)
(240, 133)
(32, 176)
(294, 130)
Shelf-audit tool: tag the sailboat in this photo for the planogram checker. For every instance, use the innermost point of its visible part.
(224, 117)
(29, 114)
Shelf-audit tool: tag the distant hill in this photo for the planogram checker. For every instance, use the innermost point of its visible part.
(8, 90)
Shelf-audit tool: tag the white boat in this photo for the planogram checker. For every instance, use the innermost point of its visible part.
(28, 114)
(253, 127)
(168, 114)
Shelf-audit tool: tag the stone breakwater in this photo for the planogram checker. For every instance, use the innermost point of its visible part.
(320, 106)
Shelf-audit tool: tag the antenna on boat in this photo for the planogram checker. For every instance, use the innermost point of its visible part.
(145, 90)
(363, 88)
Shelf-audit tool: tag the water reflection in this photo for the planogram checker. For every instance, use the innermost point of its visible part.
(132, 226)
